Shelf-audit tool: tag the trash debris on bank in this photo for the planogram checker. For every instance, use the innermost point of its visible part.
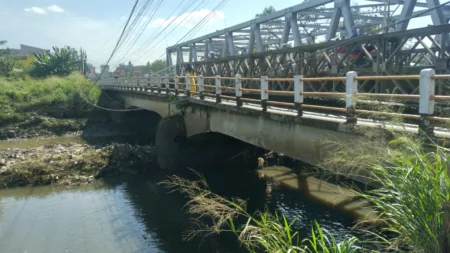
(69, 164)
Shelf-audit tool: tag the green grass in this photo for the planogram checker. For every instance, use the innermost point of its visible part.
(413, 197)
(28, 102)
(262, 231)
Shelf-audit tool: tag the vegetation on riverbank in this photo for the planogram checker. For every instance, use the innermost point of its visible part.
(259, 232)
(412, 201)
(68, 164)
(45, 107)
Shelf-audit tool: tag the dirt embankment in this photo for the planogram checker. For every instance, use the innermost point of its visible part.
(69, 164)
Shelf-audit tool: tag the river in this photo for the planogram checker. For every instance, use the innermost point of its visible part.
(133, 214)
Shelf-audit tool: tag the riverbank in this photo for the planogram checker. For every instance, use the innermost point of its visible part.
(71, 163)
(53, 106)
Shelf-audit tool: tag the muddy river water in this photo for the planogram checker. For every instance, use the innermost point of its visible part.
(134, 214)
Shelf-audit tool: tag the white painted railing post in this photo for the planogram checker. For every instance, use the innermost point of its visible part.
(188, 85)
(176, 85)
(298, 96)
(166, 84)
(159, 84)
(238, 87)
(264, 93)
(147, 85)
(426, 104)
(201, 87)
(218, 89)
(351, 89)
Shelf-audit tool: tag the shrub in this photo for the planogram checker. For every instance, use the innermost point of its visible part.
(61, 62)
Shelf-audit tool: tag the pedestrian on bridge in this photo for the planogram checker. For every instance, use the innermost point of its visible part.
(191, 72)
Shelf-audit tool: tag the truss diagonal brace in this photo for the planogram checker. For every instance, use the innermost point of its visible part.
(342, 9)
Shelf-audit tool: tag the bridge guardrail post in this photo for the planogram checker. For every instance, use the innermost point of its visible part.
(218, 89)
(298, 96)
(166, 84)
(264, 93)
(188, 85)
(426, 104)
(176, 86)
(238, 87)
(159, 84)
(201, 87)
(152, 84)
(147, 83)
(351, 88)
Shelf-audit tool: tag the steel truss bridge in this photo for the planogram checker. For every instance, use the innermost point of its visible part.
(316, 39)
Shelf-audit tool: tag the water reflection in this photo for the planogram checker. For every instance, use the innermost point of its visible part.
(136, 215)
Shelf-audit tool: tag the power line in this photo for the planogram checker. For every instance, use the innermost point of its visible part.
(112, 54)
(149, 40)
(160, 33)
(205, 20)
(136, 22)
(118, 41)
(144, 28)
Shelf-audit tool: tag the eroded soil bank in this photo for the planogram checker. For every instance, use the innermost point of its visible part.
(71, 163)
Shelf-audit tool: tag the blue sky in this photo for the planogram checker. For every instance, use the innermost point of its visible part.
(95, 24)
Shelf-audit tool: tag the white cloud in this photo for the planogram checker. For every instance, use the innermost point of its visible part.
(36, 10)
(42, 11)
(55, 8)
(190, 19)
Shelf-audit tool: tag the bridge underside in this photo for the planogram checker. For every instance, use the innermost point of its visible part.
(307, 140)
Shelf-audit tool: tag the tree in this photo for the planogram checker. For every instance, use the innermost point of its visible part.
(267, 27)
(60, 62)
(157, 66)
(7, 64)
(129, 68)
(148, 69)
(266, 11)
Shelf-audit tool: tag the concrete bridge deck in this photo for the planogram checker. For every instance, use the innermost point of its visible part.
(294, 129)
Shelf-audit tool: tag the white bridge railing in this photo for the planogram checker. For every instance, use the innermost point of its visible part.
(211, 86)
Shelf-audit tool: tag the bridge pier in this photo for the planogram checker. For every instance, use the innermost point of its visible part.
(171, 131)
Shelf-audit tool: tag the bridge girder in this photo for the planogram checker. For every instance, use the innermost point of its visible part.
(261, 45)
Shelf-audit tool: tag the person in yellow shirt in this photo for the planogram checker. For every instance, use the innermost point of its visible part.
(191, 72)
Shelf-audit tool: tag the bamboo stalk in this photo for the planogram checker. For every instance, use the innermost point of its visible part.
(320, 79)
(445, 98)
(440, 77)
(279, 79)
(281, 92)
(325, 108)
(250, 90)
(406, 116)
(400, 96)
(280, 103)
(323, 94)
(400, 77)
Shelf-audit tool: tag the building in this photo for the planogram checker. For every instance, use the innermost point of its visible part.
(25, 51)
(92, 75)
(104, 70)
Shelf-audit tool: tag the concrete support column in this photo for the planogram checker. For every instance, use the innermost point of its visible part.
(298, 97)
(188, 85)
(218, 89)
(426, 104)
(264, 93)
(238, 87)
(351, 88)
(201, 87)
